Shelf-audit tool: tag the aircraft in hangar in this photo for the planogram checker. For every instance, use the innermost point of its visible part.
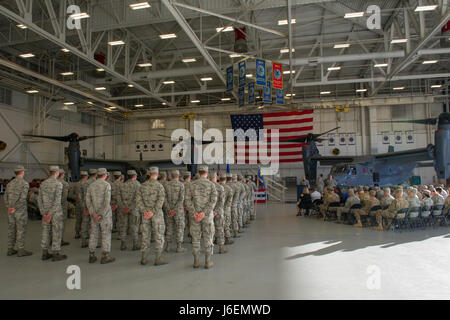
(387, 169)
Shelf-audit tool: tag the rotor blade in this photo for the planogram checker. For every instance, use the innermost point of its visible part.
(321, 134)
(430, 121)
(82, 138)
(297, 140)
(57, 138)
(161, 135)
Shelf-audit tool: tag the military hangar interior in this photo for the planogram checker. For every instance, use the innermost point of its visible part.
(359, 94)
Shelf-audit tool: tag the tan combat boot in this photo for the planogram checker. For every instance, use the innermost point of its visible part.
(11, 252)
(46, 255)
(358, 224)
(160, 261)
(106, 258)
(196, 262)
(24, 253)
(208, 262)
(92, 257)
(222, 250)
(236, 234)
(180, 248)
(144, 260)
(58, 257)
(378, 227)
(228, 241)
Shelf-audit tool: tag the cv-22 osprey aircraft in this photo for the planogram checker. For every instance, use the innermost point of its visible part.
(385, 169)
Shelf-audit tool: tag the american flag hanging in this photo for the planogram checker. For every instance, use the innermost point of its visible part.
(291, 125)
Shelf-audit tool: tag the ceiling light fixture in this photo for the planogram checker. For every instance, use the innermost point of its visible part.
(116, 43)
(285, 22)
(187, 60)
(325, 92)
(65, 50)
(399, 41)
(100, 88)
(100, 69)
(32, 91)
(69, 103)
(169, 82)
(140, 5)
(195, 101)
(288, 71)
(398, 88)
(341, 45)
(426, 8)
(225, 99)
(26, 55)
(146, 64)
(235, 55)
(66, 73)
(130, 86)
(138, 105)
(436, 86)
(286, 50)
(353, 15)
(380, 65)
(334, 68)
(223, 29)
(361, 90)
(206, 79)
(429, 61)
(78, 16)
(21, 26)
(168, 36)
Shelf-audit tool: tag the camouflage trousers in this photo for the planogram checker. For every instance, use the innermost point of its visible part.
(65, 210)
(78, 217)
(234, 218)
(389, 215)
(130, 225)
(252, 209)
(240, 214)
(219, 224)
(85, 225)
(17, 228)
(188, 223)
(175, 226)
(153, 228)
(51, 233)
(114, 219)
(202, 230)
(103, 228)
(227, 222)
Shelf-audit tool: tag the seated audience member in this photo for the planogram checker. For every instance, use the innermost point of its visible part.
(315, 195)
(305, 202)
(351, 200)
(399, 203)
(365, 210)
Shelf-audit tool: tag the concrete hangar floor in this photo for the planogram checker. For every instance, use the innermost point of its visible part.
(280, 256)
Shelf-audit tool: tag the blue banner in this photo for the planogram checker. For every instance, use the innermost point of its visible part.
(251, 93)
(230, 79)
(268, 92)
(242, 72)
(241, 96)
(280, 96)
(261, 72)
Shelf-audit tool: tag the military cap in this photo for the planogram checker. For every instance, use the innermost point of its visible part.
(410, 189)
(427, 192)
(213, 174)
(186, 174)
(19, 168)
(53, 168)
(229, 175)
(117, 173)
(387, 190)
(203, 168)
(432, 189)
(373, 193)
(234, 176)
(131, 173)
(92, 171)
(61, 170)
(175, 172)
(84, 173)
(239, 177)
(153, 170)
(101, 171)
(223, 176)
(163, 174)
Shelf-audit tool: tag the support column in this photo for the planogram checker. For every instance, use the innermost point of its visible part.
(373, 130)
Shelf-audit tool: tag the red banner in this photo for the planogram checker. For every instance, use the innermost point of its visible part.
(277, 76)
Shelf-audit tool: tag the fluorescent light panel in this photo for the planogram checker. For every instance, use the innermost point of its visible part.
(100, 88)
(436, 86)
(100, 69)
(66, 73)
(168, 36)
(353, 15)
(361, 90)
(32, 91)
(425, 8)
(140, 5)
(288, 71)
(380, 65)
(26, 55)
(195, 101)
(187, 60)
(169, 82)
(146, 64)
(429, 61)
(138, 105)
(116, 43)
(21, 26)
(286, 50)
(285, 22)
(325, 92)
(65, 50)
(206, 79)
(222, 29)
(398, 88)
(225, 99)
(69, 103)
(399, 40)
(341, 45)
(235, 55)
(78, 16)
(334, 68)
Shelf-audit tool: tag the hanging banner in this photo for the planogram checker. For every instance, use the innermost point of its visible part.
(230, 79)
(280, 96)
(268, 92)
(261, 72)
(251, 92)
(242, 71)
(277, 75)
(241, 96)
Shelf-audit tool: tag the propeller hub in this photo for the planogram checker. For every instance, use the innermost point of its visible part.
(444, 118)
(73, 137)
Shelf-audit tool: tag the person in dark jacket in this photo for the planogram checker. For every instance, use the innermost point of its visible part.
(305, 202)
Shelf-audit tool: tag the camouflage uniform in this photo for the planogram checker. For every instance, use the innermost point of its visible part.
(252, 199)
(327, 199)
(390, 213)
(174, 201)
(202, 197)
(351, 201)
(98, 201)
(187, 185)
(242, 196)
(130, 220)
(234, 207)
(386, 200)
(246, 205)
(77, 189)
(86, 220)
(219, 220)
(64, 204)
(228, 198)
(16, 197)
(150, 198)
(438, 200)
(115, 189)
(364, 211)
(49, 202)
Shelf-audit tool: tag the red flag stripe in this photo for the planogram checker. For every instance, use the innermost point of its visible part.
(289, 113)
(282, 122)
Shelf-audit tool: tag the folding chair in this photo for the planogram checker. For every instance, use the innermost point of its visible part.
(315, 209)
(348, 217)
(413, 217)
(425, 216)
(438, 213)
(400, 220)
(329, 213)
(371, 218)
